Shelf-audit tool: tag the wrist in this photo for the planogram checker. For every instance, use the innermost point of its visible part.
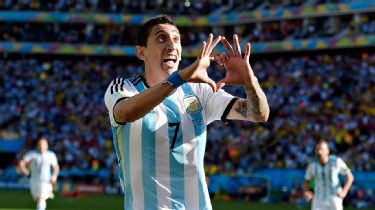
(175, 79)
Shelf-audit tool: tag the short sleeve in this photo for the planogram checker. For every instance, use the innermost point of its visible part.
(309, 172)
(28, 156)
(53, 159)
(214, 104)
(118, 90)
(342, 167)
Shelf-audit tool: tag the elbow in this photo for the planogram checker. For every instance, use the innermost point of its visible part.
(263, 116)
(127, 115)
(351, 178)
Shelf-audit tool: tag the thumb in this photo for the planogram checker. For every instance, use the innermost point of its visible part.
(221, 83)
(211, 83)
(219, 86)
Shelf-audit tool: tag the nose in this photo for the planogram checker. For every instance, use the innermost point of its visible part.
(170, 48)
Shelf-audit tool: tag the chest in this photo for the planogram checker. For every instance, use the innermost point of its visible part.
(40, 161)
(328, 170)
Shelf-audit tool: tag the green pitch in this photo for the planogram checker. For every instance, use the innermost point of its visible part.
(21, 200)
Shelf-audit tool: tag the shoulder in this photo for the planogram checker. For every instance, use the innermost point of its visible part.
(334, 158)
(51, 153)
(313, 162)
(31, 153)
(121, 86)
(199, 86)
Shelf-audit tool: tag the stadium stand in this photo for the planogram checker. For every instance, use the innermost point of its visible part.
(55, 68)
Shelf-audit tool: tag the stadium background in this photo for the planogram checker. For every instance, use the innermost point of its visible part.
(315, 60)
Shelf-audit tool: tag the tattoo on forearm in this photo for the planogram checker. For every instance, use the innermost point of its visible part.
(242, 108)
(257, 105)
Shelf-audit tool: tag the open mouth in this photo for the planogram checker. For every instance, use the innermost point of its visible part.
(170, 59)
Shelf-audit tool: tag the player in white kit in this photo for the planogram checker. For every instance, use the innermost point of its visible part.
(159, 119)
(328, 192)
(41, 179)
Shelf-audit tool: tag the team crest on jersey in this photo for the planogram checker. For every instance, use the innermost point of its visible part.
(192, 104)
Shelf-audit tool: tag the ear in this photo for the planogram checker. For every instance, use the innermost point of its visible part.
(139, 51)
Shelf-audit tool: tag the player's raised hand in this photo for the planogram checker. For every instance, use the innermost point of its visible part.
(238, 69)
(197, 72)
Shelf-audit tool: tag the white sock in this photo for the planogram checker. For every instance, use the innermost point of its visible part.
(41, 205)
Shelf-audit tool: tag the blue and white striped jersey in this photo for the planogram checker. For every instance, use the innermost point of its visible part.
(326, 177)
(161, 155)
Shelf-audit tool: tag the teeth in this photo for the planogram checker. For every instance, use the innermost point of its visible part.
(171, 57)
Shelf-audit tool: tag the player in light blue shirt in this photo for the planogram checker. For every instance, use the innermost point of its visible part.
(159, 119)
(328, 192)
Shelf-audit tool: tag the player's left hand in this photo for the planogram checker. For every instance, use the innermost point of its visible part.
(341, 194)
(238, 69)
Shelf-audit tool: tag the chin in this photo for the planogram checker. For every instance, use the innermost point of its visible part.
(170, 70)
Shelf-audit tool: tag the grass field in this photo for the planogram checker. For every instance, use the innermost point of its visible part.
(21, 200)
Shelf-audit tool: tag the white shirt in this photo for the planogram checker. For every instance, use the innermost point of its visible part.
(41, 164)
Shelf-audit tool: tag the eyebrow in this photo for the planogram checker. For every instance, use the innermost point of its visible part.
(162, 30)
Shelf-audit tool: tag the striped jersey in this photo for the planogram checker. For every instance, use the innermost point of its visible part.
(326, 177)
(161, 155)
(41, 164)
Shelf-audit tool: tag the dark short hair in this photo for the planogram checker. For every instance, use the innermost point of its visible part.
(145, 29)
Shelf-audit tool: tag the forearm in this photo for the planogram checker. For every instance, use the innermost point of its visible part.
(256, 102)
(56, 170)
(22, 167)
(306, 186)
(348, 183)
(136, 107)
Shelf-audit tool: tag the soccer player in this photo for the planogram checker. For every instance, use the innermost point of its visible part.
(328, 192)
(41, 179)
(159, 118)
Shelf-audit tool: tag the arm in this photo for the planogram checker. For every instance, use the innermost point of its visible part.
(239, 72)
(136, 107)
(55, 173)
(348, 183)
(23, 168)
(307, 194)
(254, 108)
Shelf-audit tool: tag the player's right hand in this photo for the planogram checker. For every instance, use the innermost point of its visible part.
(197, 71)
(308, 195)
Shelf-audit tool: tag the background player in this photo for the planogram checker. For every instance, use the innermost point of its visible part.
(328, 193)
(41, 180)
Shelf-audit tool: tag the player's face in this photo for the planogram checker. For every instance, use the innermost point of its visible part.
(322, 152)
(163, 49)
(42, 145)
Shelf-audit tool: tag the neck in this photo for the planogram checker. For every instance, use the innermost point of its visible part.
(323, 161)
(155, 77)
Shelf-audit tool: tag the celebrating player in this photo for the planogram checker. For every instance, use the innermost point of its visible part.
(159, 118)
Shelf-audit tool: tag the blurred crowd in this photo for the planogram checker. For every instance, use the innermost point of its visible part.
(143, 6)
(311, 97)
(115, 6)
(111, 34)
